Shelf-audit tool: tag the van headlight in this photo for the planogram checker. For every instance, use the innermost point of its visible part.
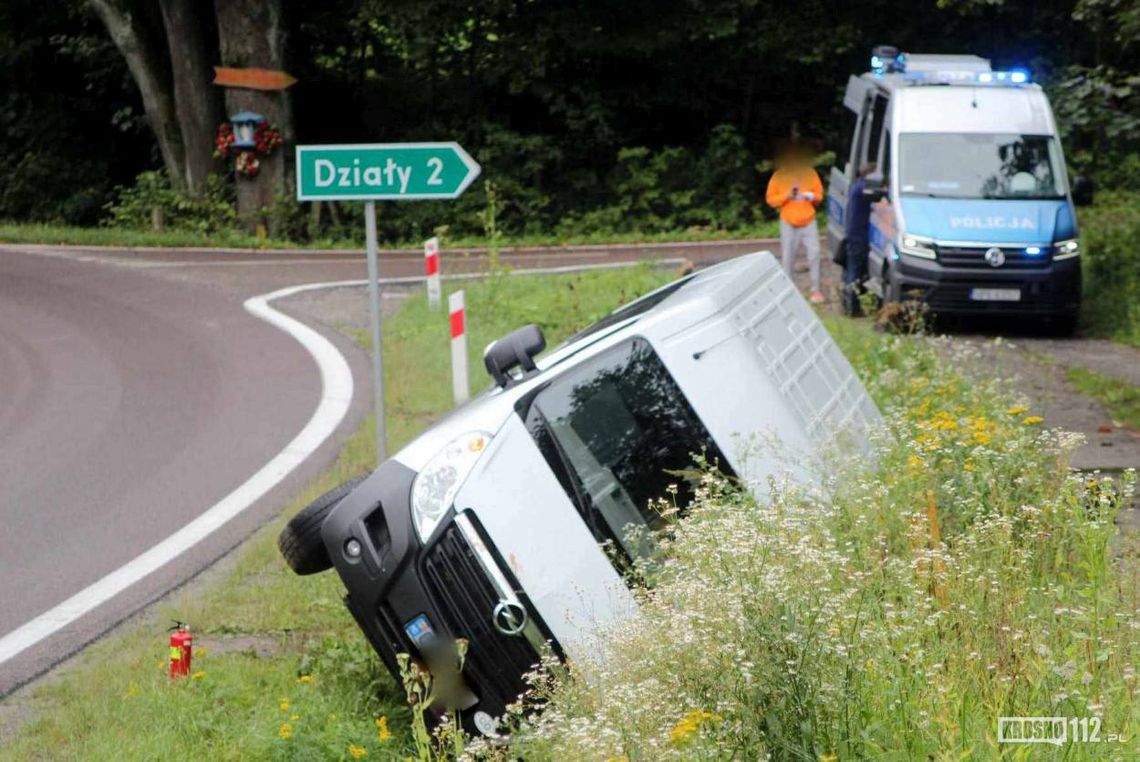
(1066, 249)
(435, 485)
(917, 246)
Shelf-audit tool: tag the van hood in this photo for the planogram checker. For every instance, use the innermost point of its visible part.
(1040, 221)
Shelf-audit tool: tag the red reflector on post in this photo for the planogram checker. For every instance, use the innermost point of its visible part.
(457, 323)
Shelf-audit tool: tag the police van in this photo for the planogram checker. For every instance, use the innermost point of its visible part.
(509, 523)
(972, 211)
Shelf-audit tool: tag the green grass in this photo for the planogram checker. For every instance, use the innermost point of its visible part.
(119, 704)
(964, 575)
(891, 633)
(1121, 397)
(32, 233)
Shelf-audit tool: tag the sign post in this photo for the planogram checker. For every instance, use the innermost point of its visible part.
(431, 270)
(457, 317)
(382, 172)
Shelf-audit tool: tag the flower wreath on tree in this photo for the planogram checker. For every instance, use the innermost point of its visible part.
(266, 140)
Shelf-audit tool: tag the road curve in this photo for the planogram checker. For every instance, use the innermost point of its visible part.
(136, 393)
(129, 404)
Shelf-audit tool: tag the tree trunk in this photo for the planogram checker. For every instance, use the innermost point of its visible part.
(133, 33)
(252, 35)
(189, 28)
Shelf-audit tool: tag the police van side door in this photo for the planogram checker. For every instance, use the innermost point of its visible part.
(856, 100)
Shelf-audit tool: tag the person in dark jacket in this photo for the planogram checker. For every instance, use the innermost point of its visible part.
(856, 227)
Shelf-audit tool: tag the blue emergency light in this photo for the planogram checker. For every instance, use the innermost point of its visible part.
(1013, 77)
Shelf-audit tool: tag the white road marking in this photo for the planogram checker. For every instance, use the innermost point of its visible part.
(336, 395)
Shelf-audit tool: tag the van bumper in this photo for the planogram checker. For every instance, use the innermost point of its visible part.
(397, 581)
(1050, 290)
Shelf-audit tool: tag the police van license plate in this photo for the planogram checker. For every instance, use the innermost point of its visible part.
(995, 294)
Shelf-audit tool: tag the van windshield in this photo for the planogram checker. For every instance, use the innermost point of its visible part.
(620, 435)
(949, 165)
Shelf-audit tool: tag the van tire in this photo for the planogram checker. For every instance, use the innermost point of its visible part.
(1064, 326)
(300, 541)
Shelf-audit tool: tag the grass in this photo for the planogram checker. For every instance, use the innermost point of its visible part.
(119, 704)
(895, 615)
(35, 233)
(1121, 397)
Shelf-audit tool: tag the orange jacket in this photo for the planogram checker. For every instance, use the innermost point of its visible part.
(797, 212)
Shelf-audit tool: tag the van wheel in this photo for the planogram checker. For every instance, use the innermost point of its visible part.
(300, 541)
(1064, 325)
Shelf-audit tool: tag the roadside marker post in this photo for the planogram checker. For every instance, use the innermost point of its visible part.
(460, 388)
(387, 172)
(431, 270)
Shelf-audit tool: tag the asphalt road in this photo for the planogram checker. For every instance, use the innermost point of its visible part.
(135, 393)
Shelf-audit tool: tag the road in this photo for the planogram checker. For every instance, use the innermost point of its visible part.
(136, 392)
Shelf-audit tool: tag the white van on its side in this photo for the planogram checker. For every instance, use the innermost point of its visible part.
(502, 523)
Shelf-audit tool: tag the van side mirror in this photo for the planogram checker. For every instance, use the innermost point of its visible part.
(515, 350)
(1082, 191)
(874, 187)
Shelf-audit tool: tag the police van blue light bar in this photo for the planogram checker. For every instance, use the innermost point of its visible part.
(1013, 77)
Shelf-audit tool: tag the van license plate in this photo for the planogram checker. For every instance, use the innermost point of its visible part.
(995, 294)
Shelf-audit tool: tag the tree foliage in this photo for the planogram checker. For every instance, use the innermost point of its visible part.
(639, 114)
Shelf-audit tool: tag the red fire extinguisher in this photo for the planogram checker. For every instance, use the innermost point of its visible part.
(180, 643)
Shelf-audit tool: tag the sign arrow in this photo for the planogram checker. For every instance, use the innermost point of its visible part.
(253, 79)
(384, 172)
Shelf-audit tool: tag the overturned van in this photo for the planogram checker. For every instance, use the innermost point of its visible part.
(506, 523)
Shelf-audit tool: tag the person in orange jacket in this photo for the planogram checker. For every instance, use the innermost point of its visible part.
(796, 191)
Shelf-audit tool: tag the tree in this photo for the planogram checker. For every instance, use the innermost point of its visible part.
(168, 46)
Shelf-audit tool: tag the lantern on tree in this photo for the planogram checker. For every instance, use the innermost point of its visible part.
(245, 129)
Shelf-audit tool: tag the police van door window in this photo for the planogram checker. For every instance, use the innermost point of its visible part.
(875, 134)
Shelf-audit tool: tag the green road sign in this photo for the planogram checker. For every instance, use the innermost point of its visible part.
(383, 172)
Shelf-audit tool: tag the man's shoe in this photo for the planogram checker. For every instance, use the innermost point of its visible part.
(816, 298)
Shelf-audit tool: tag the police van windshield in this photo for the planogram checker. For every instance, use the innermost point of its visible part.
(949, 165)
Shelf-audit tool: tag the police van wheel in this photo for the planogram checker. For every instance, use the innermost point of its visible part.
(300, 541)
(1064, 325)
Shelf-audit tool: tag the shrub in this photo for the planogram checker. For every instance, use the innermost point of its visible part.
(896, 612)
(135, 205)
(1111, 250)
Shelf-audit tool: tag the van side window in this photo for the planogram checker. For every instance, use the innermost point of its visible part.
(885, 158)
(844, 159)
(618, 433)
(878, 117)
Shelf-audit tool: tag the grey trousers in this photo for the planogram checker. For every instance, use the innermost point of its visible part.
(791, 238)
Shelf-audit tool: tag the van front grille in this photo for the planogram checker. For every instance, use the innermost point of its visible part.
(466, 599)
(975, 257)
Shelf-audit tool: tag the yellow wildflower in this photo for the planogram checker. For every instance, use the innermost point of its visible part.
(982, 438)
(828, 758)
(1017, 410)
(968, 465)
(132, 690)
(285, 731)
(915, 464)
(305, 679)
(198, 675)
(690, 724)
(1030, 420)
(382, 728)
(284, 705)
(357, 751)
